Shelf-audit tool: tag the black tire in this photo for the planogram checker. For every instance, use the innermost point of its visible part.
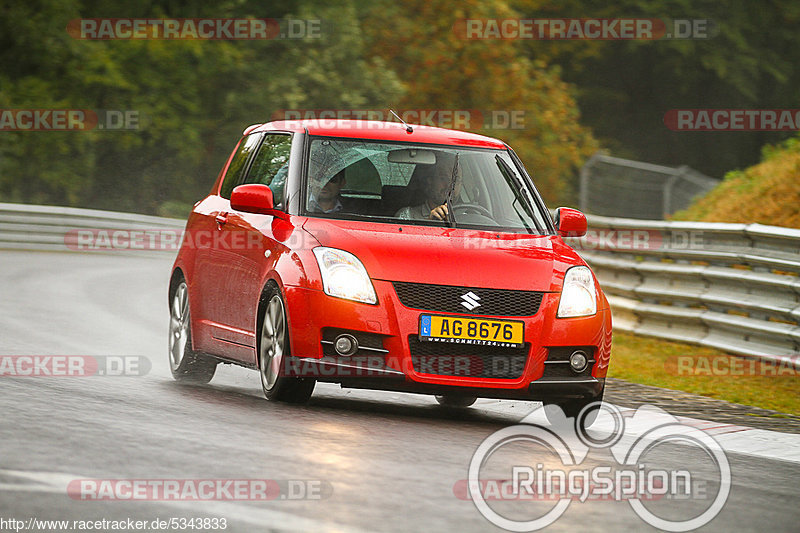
(186, 365)
(573, 408)
(273, 347)
(448, 400)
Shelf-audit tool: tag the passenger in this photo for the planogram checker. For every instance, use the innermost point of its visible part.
(327, 199)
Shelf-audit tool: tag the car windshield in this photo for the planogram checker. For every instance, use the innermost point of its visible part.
(391, 182)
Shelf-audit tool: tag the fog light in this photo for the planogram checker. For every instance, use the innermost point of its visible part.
(346, 344)
(578, 361)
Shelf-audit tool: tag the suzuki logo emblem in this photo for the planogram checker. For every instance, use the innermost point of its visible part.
(470, 300)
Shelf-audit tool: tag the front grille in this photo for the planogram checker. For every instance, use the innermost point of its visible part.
(449, 299)
(557, 365)
(466, 360)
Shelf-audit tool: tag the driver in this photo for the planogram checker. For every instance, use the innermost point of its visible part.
(436, 186)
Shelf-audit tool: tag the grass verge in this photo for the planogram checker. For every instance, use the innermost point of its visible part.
(641, 360)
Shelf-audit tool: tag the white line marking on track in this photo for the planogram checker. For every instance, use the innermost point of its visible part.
(57, 482)
(733, 438)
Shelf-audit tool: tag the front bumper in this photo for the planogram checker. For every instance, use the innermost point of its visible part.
(389, 365)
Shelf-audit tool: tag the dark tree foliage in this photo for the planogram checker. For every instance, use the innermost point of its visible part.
(194, 97)
(750, 61)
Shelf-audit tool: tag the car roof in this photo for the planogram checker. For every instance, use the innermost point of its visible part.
(379, 130)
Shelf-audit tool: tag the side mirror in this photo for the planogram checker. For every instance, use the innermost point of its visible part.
(254, 198)
(570, 222)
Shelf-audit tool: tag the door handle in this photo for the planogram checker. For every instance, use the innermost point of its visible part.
(221, 218)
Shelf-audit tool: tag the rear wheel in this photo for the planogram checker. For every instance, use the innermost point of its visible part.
(186, 365)
(273, 348)
(448, 400)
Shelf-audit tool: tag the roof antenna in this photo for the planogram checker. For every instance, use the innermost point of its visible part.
(409, 129)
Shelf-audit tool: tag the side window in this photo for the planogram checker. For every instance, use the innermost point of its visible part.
(271, 164)
(238, 163)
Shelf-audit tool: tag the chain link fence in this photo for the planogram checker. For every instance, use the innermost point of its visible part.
(615, 187)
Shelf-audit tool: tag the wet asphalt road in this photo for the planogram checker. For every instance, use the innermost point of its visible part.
(385, 461)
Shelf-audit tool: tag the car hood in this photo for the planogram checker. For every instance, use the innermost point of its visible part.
(450, 256)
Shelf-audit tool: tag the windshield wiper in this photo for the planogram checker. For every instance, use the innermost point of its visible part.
(507, 170)
(451, 217)
(521, 218)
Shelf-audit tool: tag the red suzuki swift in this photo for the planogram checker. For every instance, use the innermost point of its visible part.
(386, 256)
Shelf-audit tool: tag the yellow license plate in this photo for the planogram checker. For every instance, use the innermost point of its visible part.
(479, 331)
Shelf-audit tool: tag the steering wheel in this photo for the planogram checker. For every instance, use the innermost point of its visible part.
(475, 208)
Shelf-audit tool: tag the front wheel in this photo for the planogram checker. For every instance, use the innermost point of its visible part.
(456, 401)
(273, 348)
(573, 408)
(186, 365)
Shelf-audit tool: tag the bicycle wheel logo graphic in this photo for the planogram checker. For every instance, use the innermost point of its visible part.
(570, 442)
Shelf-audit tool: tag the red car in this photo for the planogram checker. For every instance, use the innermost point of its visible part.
(386, 256)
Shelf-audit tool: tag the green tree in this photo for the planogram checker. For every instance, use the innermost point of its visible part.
(442, 70)
(625, 87)
(194, 98)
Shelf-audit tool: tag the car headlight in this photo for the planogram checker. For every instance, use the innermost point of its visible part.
(578, 295)
(343, 275)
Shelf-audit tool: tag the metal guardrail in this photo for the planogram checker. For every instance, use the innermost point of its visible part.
(735, 287)
(49, 228)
